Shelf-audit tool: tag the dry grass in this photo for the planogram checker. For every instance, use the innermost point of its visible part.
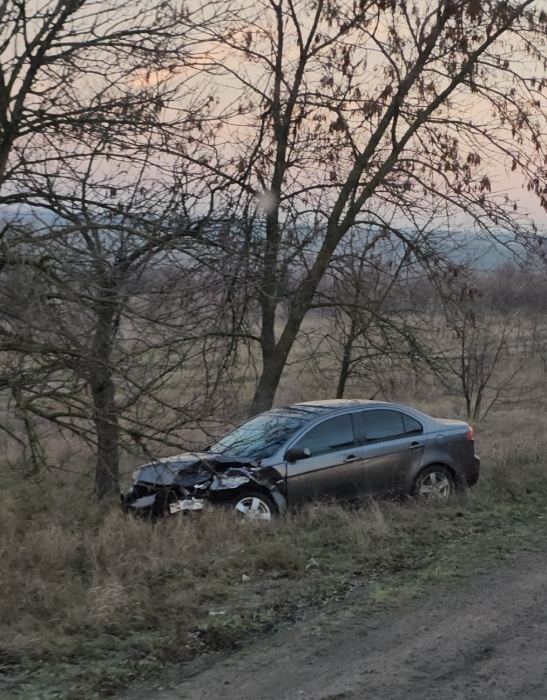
(106, 597)
(102, 598)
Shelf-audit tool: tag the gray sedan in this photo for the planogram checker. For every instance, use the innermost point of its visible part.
(340, 449)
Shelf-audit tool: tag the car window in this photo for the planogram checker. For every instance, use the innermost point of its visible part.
(383, 425)
(412, 426)
(261, 436)
(329, 436)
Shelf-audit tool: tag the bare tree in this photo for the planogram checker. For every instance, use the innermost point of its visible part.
(370, 113)
(473, 350)
(77, 72)
(365, 321)
(94, 101)
(110, 330)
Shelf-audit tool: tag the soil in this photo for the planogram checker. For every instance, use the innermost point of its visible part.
(487, 641)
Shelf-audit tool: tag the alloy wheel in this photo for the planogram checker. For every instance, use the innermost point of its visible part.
(435, 485)
(254, 508)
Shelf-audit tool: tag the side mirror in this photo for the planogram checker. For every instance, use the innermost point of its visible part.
(296, 453)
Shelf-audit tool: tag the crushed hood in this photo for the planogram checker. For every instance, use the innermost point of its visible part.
(193, 468)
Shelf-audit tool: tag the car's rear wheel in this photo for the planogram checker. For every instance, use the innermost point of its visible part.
(253, 505)
(434, 483)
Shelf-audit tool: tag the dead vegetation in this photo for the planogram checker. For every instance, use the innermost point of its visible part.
(98, 599)
(103, 599)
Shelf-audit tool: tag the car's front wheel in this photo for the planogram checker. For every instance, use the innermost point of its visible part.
(434, 483)
(253, 505)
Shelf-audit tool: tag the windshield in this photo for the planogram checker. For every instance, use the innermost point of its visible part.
(260, 437)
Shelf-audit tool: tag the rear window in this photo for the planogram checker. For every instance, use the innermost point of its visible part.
(412, 426)
(386, 424)
(329, 436)
(383, 425)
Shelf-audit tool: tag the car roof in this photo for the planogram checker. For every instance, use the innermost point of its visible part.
(317, 408)
(330, 404)
(312, 410)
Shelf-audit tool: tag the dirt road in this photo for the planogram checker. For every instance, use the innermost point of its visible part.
(487, 641)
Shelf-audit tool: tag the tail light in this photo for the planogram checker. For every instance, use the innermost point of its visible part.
(470, 434)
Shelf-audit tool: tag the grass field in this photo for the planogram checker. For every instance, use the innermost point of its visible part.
(92, 600)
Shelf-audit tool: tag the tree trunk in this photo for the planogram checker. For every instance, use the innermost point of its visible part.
(107, 480)
(273, 363)
(468, 405)
(103, 390)
(344, 368)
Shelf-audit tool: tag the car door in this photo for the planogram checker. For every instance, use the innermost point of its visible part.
(334, 467)
(393, 445)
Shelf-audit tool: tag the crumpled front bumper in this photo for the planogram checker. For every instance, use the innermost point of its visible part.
(155, 501)
(158, 491)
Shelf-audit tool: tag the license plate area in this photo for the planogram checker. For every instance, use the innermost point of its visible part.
(186, 504)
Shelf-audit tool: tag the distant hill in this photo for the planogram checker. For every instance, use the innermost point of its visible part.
(479, 252)
(484, 253)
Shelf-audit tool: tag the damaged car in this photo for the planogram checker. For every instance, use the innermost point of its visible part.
(340, 449)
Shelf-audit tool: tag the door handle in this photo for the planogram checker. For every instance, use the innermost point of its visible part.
(351, 458)
(415, 445)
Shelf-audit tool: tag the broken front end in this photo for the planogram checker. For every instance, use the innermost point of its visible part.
(188, 482)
